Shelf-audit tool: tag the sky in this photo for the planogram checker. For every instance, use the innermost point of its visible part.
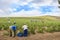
(27, 8)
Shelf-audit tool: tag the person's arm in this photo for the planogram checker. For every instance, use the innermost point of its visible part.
(9, 27)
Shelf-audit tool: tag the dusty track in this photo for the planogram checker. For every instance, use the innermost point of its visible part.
(45, 36)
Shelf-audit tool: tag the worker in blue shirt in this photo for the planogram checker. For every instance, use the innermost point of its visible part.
(12, 30)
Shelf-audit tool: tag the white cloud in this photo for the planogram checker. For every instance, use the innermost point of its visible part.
(25, 14)
(5, 9)
(2, 13)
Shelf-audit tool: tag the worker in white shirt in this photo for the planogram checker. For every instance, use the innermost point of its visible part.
(25, 28)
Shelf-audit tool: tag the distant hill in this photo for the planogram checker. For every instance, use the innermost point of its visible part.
(57, 17)
(48, 17)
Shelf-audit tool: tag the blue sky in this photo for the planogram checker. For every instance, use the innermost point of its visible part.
(18, 8)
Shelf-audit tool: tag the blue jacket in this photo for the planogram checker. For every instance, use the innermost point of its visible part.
(14, 27)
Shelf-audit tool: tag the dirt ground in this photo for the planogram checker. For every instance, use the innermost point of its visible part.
(38, 36)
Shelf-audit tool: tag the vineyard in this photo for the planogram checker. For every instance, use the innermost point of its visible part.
(35, 24)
